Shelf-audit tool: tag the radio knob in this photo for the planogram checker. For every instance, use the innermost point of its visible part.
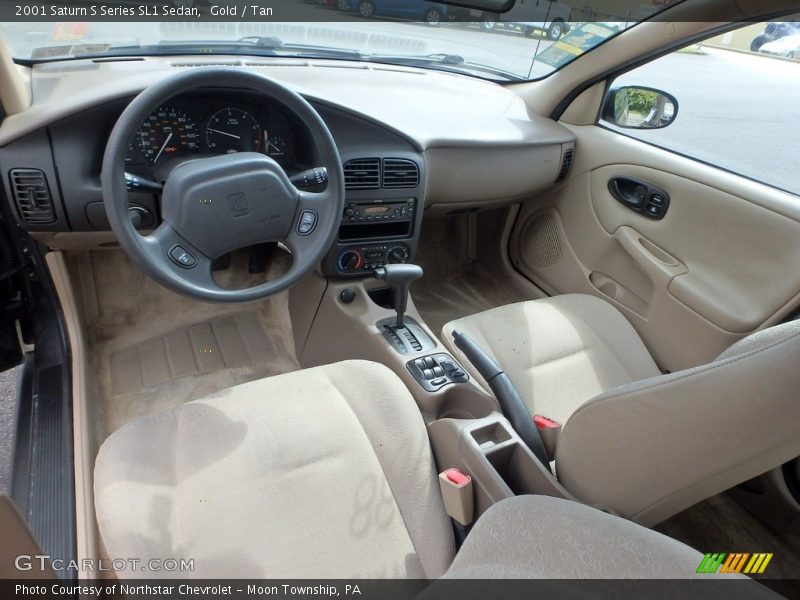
(398, 254)
(350, 260)
(349, 213)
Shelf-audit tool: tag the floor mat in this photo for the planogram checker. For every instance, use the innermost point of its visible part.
(221, 343)
(152, 349)
(464, 293)
(455, 285)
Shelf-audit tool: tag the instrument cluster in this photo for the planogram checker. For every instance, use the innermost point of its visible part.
(211, 124)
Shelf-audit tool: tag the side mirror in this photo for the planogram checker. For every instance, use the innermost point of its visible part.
(635, 107)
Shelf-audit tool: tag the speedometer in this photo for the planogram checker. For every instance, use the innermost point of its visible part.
(166, 132)
(233, 130)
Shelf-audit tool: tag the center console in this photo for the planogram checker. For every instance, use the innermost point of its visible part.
(359, 309)
(381, 220)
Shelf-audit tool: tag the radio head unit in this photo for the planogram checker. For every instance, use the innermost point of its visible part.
(377, 220)
(372, 234)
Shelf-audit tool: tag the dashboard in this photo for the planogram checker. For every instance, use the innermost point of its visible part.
(213, 123)
(411, 141)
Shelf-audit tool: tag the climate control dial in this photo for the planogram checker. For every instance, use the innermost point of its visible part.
(350, 261)
(398, 254)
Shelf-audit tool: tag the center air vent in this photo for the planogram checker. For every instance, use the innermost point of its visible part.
(32, 196)
(400, 173)
(362, 174)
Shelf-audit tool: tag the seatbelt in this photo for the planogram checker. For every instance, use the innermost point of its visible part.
(508, 397)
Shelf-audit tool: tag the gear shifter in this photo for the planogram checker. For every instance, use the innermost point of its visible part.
(399, 277)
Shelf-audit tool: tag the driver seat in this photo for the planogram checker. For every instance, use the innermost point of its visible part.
(327, 473)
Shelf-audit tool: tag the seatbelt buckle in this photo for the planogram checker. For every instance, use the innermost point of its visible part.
(549, 430)
(457, 495)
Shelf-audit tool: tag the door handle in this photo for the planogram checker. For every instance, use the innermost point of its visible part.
(659, 264)
(640, 196)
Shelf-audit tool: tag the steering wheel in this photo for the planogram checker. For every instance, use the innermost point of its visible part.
(211, 206)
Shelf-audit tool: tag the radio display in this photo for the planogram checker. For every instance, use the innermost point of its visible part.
(376, 210)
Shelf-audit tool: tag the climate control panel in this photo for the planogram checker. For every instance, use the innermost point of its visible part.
(366, 258)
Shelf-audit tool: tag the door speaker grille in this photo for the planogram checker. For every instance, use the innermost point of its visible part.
(543, 244)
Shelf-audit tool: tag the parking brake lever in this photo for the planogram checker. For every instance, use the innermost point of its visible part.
(507, 395)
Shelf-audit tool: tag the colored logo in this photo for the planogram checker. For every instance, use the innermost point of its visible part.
(735, 562)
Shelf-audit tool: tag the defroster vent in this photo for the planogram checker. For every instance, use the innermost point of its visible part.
(32, 196)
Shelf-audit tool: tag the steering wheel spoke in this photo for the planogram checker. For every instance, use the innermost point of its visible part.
(186, 262)
(313, 208)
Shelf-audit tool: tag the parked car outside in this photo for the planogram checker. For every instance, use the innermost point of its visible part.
(531, 16)
(788, 47)
(422, 10)
(773, 32)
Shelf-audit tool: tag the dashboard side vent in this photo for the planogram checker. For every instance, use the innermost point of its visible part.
(362, 174)
(566, 163)
(400, 173)
(32, 196)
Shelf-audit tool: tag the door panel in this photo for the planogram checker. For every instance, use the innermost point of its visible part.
(721, 263)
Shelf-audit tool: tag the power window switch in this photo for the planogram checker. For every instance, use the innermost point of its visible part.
(428, 374)
(654, 210)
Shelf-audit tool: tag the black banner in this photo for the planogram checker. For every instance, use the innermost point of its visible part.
(545, 11)
(444, 589)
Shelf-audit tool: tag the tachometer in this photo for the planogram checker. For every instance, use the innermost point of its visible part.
(233, 130)
(167, 131)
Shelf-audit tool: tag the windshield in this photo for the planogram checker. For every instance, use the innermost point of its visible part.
(501, 48)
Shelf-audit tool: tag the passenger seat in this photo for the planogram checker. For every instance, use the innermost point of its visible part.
(643, 444)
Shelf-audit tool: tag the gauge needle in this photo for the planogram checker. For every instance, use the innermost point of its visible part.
(237, 137)
(273, 145)
(169, 137)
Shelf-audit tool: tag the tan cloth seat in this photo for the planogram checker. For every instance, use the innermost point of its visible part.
(643, 444)
(325, 472)
(274, 478)
(559, 352)
(547, 538)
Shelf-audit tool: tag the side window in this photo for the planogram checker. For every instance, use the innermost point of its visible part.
(738, 103)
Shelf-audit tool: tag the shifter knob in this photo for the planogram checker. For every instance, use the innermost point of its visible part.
(399, 277)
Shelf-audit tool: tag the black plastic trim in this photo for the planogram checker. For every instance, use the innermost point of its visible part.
(42, 471)
(651, 202)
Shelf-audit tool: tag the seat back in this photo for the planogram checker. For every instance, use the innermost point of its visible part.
(652, 448)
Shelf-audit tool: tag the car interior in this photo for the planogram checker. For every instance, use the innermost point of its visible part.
(397, 323)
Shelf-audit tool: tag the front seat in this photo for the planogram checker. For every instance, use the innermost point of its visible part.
(643, 444)
(327, 473)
